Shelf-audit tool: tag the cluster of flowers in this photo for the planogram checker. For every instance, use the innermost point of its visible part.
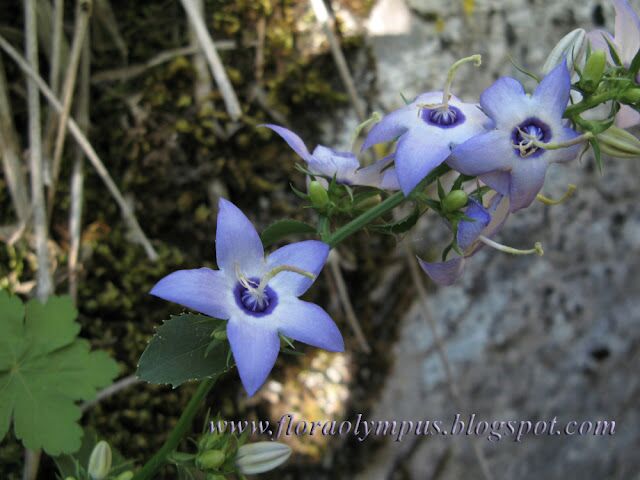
(501, 149)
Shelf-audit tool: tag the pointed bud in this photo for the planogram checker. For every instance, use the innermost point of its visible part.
(100, 461)
(631, 96)
(454, 200)
(593, 71)
(318, 194)
(571, 47)
(261, 457)
(617, 142)
(210, 460)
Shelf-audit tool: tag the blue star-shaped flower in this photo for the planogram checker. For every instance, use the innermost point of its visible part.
(509, 158)
(426, 129)
(257, 295)
(344, 166)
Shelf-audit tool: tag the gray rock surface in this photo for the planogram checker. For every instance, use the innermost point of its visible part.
(528, 338)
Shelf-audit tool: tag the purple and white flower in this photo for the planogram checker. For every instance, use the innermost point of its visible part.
(471, 236)
(257, 295)
(511, 158)
(626, 41)
(426, 129)
(344, 166)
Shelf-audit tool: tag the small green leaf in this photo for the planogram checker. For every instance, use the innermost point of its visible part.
(612, 51)
(176, 353)
(283, 228)
(401, 226)
(44, 371)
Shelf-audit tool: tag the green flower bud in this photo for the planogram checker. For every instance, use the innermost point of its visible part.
(210, 440)
(593, 70)
(369, 202)
(318, 194)
(215, 476)
(631, 96)
(70, 478)
(100, 461)
(617, 142)
(261, 457)
(128, 475)
(455, 200)
(210, 460)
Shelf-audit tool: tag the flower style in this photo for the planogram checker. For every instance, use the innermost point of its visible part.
(513, 157)
(470, 237)
(427, 128)
(626, 40)
(344, 166)
(257, 295)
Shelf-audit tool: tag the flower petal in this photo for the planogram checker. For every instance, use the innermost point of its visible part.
(329, 162)
(308, 323)
(378, 175)
(627, 30)
(504, 101)
(309, 255)
(237, 242)
(444, 273)
(527, 179)
(391, 126)
(483, 153)
(294, 141)
(469, 231)
(255, 349)
(627, 117)
(553, 91)
(203, 290)
(564, 154)
(497, 180)
(416, 155)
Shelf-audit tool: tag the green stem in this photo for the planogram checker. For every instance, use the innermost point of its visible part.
(386, 205)
(589, 103)
(184, 424)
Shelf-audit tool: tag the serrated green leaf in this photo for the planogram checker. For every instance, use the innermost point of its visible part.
(44, 371)
(176, 353)
(283, 228)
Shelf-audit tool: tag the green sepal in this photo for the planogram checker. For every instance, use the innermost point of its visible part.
(284, 228)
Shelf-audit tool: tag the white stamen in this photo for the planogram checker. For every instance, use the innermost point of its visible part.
(537, 248)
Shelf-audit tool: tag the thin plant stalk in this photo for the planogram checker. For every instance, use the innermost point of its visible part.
(82, 23)
(86, 146)
(215, 64)
(77, 176)
(10, 152)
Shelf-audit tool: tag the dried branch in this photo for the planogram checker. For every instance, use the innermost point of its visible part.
(56, 44)
(83, 14)
(111, 390)
(10, 151)
(215, 64)
(91, 154)
(343, 293)
(77, 175)
(322, 15)
(106, 17)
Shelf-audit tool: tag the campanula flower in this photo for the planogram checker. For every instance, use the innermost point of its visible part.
(257, 295)
(626, 41)
(426, 129)
(512, 158)
(344, 166)
(483, 224)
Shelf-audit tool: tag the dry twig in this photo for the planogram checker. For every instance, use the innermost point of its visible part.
(91, 154)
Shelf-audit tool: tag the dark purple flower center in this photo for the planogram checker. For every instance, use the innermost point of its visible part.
(526, 134)
(256, 304)
(444, 117)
